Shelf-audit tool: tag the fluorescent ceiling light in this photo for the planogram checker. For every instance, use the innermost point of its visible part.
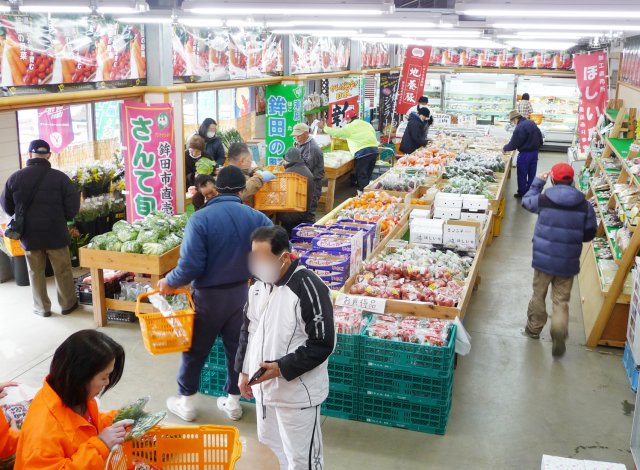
(318, 32)
(200, 22)
(116, 10)
(368, 36)
(297, 9)
(462, 42)
(580, 12)
(43, 8)
(570, 27)
(436, 34)
(556, 46)
(145, 19)
(552, 35)
(349, 24)
(4, 9)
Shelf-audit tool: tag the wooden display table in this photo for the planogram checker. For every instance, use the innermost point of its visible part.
(332, 175)
(97, 261)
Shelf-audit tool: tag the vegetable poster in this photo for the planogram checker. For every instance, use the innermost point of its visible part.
(413, 78)
(284, 110)
(593, 82)
(345, 94)
(55, 127)
(150, 159)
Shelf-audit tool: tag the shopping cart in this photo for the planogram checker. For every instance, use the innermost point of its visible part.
(180, 448)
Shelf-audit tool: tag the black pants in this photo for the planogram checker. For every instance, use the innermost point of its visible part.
(290, 220)
(218, 312)
(364, 169)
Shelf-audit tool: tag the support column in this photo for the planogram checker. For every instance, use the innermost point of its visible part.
(355, 62)
(286, 55)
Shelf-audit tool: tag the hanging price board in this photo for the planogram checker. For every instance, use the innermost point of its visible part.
(368, 304)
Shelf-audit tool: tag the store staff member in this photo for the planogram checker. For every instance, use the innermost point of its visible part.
(527, 139)
(214, 257)
(363, 144)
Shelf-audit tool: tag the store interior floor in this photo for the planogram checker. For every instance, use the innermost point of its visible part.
(512, 402)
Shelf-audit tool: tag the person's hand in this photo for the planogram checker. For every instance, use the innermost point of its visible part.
(4, 386)
(13, 425)
(543, 176)
(273, 372)
(243, 385)
(321, 124)
(191, 191)
(267, 176)
(165, 288)
(114, 435)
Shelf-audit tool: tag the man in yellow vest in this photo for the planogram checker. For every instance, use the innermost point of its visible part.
(363, 144)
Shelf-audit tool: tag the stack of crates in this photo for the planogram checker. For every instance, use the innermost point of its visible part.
(214, 373)
(344, 379)
(631, 358)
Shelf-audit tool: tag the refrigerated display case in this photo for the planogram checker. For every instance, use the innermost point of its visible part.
(557, 100)
(433, 90)
(488, 96)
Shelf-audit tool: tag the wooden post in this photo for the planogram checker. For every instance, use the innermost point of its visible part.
(99, 300)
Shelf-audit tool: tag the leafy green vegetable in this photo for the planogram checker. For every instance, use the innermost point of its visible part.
(131, 247)
(153, 249)
(145, 423)
(148, 236)
(204, 166)
(133, 410)
(125, 231)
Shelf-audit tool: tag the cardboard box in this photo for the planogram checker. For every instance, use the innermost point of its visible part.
(447, 213)
(474, 216)
(550, 462)
(448, 200)
(420, 214)
(462, 234)
(426, 231)
(474, 202)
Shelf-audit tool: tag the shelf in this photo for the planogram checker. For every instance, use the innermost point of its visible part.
(627, 217)
(609, 232)
(621, 148)
(612, 114)
(623, 298)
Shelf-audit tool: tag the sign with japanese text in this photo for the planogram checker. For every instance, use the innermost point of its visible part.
(107, 118)
(414, 76)
(55, 127)
(367, 304)
(284, 110)
(388, 89)
(344, 94)
(149, 157)
(593, 83)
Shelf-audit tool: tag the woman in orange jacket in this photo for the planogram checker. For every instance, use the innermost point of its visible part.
(63, 428)
(8, 434)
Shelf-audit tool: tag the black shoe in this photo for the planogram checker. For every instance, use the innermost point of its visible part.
(517, 196)
(71, 309)
(530, 334)
(42, 314)
(559, 346)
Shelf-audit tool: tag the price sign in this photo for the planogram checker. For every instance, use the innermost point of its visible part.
(368, 304)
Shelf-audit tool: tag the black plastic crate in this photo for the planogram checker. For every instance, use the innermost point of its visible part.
(120, 316)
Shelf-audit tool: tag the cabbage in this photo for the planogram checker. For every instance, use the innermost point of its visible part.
(204, 166)
(131, 247)
(171, 241)
(113, 244)
(153, 249)
(125, 231)
(99, 242)
(148, 236)
(178, 223)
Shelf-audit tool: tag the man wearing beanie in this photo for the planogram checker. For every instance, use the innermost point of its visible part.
(293, 163)
(214, 258)
(566, 220)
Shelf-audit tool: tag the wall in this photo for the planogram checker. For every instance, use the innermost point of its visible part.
(629, 95)
(9, 151)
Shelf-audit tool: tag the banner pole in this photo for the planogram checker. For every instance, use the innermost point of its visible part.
(395, 99)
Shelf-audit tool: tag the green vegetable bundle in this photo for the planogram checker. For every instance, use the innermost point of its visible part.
(204, 166)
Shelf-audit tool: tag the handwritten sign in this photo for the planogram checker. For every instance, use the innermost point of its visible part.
(462, 236)
(368, 304)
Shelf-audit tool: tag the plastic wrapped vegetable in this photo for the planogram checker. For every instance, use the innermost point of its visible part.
(153, 249)
(178, 223)
(131, 247)
(133, 410)
(171, 241)
(148, 236)
(145, 423)
(113, 244)
(125, 231)
(204, 166)
(99, 242)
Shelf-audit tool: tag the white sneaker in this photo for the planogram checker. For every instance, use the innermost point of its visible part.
(182, 407)
(233, 410)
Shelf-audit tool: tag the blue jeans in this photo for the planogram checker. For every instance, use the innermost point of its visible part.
(527, 168)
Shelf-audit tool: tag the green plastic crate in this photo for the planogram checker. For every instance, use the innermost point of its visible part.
(347, 374)
(420, 359)
(217, 358)
(402, 385)
(348, 348)
(343, 402)
(212, 382)
(406, 415)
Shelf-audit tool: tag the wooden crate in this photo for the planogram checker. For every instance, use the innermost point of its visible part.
(131, 262)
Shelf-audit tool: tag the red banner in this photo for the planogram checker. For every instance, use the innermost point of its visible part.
(55, 127)
(414, 76)
(593, 83)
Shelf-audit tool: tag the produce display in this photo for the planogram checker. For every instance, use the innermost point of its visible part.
(403, 180)
(348, 320)
(432, 159)
(490, 160)
(153, 235)
(469, 184)
(469, 170)
(143, 421)
(337, 158)
(374, 206)
(416, 330)
(93, 178)
(452, 141)
(416, 274)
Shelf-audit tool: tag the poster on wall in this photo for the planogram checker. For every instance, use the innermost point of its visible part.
(54, 125)
(260, 100)
(500, 58)
(150, 160)
(593, 83)
(630, 70)
(243, 102)
(190, 54)
(413, 78)
(284, 110)
(374, 55)
(388, 89)
(344, 94)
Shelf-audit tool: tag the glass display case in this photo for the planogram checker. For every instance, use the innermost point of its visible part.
(433, 90)
(488, 96)
(557, 100)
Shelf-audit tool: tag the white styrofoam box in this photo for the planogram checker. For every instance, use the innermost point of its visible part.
(550, 462)
(447, 213)
(448, 200)
(633, 328)
(420, 214)
(436, 224)
(593, 465)
(475, 202)
(464, 235)
(475, 216)
(421, 234)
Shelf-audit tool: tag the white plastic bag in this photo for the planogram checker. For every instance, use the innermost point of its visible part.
(463, 339)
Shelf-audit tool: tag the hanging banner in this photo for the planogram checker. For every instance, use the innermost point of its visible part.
(344, 94)
(284, 110)
(388, 88)
(107, 119)
(593, 83)
(149, 156)
(414, 77)
(55, 127)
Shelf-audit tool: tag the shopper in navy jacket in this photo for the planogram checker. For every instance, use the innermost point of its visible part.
(415, 134)
(214, 257)
(527, 139)
(566, 220)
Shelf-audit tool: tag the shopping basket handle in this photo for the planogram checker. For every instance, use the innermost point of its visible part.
(141, 297)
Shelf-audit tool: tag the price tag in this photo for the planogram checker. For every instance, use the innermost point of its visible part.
(369, 304)
(634, 148)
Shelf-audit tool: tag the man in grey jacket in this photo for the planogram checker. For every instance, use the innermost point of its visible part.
(314, 159)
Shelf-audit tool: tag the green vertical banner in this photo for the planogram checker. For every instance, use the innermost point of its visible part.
(107, 119)
(284, 110)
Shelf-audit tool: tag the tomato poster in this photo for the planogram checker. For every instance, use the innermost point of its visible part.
(149, 158)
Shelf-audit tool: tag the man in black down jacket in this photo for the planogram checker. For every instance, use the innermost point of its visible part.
(415, 135)
(55, 201)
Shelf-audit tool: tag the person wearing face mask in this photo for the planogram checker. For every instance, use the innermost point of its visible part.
(240, 156)
(423, 103)
(314, 159)
(195, 151)
(288, 334)
(212, 144)
(293, 164)
(214, 258)
(415, 135)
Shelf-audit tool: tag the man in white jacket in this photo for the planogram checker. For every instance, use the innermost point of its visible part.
(286, 338)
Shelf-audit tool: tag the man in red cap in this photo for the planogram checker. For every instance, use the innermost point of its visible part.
(363, 144)
(566, 220)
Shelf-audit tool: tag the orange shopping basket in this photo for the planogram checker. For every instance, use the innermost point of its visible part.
(537, 118)
(162, 335)
(286, 193)
(181, 448)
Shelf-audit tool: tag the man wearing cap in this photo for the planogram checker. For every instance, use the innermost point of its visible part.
(51, 201)
(214, 258)
(293, 164)
(363, 144)
(313, 157)
(527, 139)
(566, 220)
